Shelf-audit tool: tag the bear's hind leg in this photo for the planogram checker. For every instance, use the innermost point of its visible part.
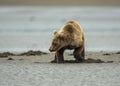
(79, 54)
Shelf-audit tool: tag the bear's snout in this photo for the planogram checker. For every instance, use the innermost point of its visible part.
(50, 49)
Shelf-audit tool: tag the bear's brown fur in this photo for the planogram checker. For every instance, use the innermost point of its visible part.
(70, 36)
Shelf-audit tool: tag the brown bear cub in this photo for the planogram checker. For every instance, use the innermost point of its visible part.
(70, 36)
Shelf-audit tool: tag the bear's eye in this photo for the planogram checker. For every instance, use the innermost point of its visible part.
(55, 44)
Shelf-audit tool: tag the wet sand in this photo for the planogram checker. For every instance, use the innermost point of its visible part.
(33, 68)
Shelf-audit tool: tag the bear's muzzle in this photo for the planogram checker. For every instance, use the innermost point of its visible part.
(51, 50)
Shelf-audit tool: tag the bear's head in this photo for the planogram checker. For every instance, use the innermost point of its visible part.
(57, 42)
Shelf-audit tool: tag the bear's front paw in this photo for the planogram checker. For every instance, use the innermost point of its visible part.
(53, 61)
(79, 60)
(60, 61)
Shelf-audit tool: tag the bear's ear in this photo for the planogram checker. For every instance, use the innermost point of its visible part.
(55, 32)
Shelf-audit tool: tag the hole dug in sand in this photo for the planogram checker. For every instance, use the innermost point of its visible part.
(89, 60)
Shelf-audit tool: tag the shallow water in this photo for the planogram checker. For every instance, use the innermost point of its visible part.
(26, 27)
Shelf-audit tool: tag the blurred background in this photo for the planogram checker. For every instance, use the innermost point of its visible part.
(60, 2)
(29, 24)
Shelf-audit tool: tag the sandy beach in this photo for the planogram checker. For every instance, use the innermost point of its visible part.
(36, 70)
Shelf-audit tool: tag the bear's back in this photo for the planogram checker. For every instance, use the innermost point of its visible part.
(71, 27)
